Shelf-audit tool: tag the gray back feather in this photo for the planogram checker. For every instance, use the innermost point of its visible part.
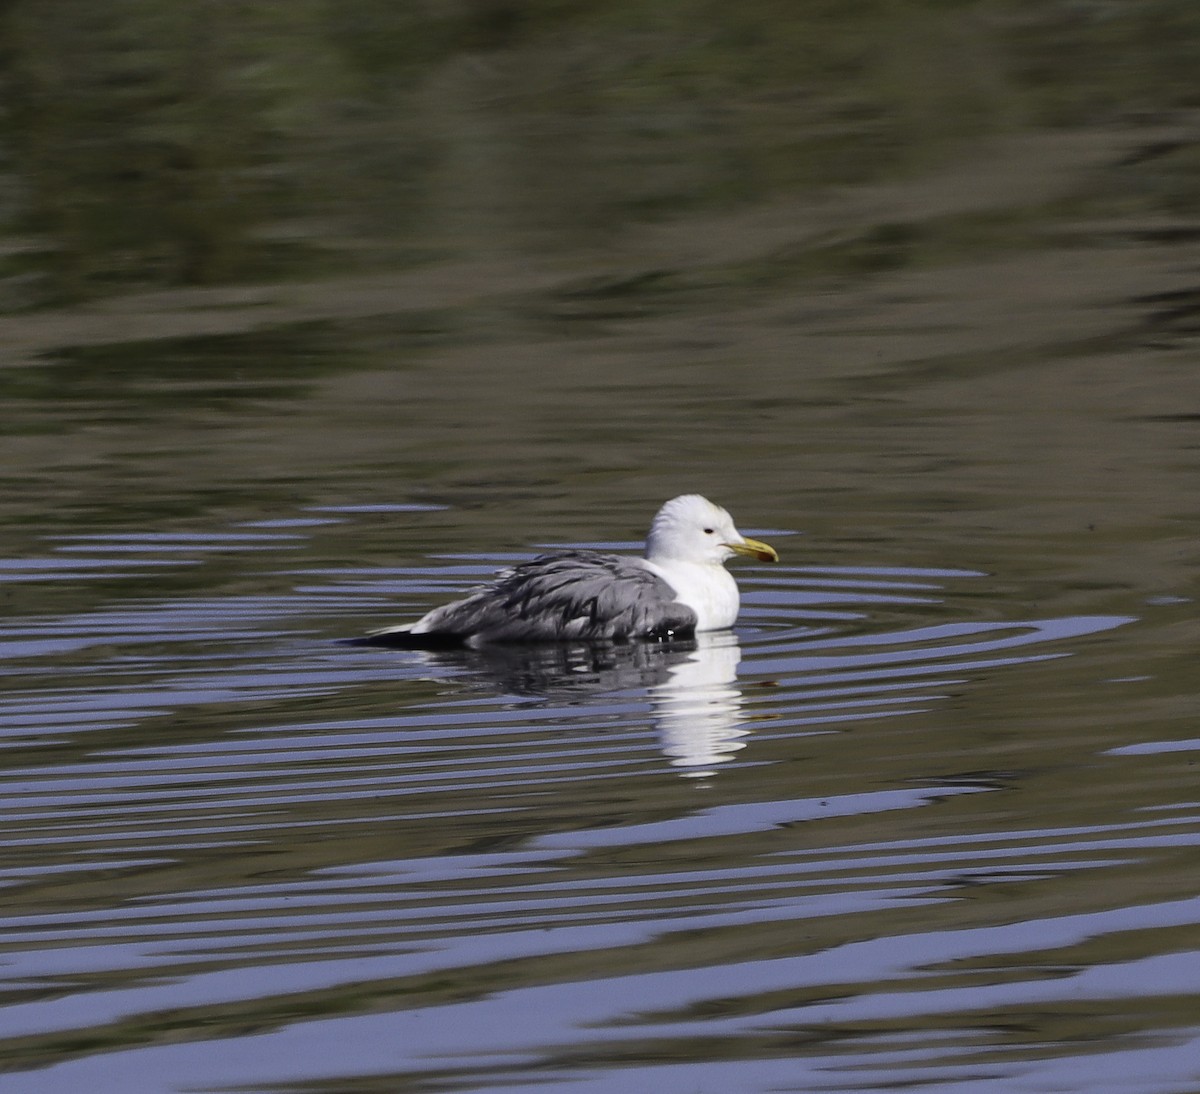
(575, 595)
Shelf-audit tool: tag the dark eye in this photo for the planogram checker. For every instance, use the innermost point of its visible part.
(708, 531)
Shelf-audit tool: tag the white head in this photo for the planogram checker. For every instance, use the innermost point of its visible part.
(690, 528)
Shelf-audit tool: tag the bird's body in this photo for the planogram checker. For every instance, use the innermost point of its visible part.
(708, 590)
(680, 587)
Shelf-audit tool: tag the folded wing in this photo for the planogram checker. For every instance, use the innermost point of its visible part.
(580, 595)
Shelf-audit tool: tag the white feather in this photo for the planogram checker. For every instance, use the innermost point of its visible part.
(688, 547)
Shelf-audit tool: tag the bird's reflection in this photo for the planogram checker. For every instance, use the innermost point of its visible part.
(691, 684)
(697, 707)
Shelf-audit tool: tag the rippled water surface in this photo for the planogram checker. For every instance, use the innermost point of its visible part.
(877, 835)
(312, 316)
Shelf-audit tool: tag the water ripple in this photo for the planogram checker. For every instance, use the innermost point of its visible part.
(220, 828)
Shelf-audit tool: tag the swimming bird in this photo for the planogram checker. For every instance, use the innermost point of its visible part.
(680, 587)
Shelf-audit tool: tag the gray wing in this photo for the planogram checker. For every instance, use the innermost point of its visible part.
(580, 595)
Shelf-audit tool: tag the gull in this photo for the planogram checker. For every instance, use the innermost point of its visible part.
(680, 587)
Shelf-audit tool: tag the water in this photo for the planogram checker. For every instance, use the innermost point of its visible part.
(409, 300)
(875, 835)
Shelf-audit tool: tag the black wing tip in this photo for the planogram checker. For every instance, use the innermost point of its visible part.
(406, 640)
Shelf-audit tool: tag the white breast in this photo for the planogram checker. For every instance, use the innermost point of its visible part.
(707, 588)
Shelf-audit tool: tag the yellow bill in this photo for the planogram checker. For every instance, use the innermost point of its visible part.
(753, 548)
